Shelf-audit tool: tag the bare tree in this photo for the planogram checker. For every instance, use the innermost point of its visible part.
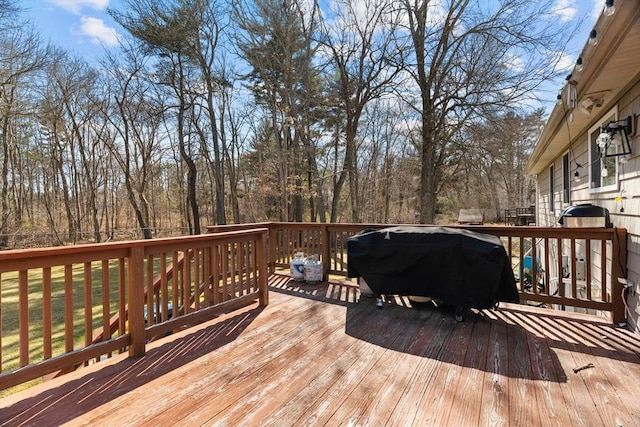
(22, 54)
(58, 149)
(135, 118)
(171, 31)
(234, 126)
(276, 39)
(73, 103)
(205, 16)
(359, 39)
(385, 163)
(470, 58)
(9, 9)
(498, 150)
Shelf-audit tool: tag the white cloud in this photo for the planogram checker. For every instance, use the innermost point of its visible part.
(96, 29)
(596, 10)
(75, 6)
(566, 9)
(566, 62)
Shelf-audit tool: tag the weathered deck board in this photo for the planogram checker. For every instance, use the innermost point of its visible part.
(467, 411)
(410, 401)
(335, 379)
(318, 356)
(494, 400)
(374, 387)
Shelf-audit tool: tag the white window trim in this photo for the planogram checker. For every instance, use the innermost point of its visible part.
(552, 187)
(602, 121)
(566, 179)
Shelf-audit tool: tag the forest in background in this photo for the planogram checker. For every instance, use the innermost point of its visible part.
(216, 112)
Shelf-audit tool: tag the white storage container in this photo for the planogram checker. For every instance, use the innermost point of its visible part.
(297, 266)
(313, 270)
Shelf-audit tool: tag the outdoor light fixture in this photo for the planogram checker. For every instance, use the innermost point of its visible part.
(587, 104)
(579, 64)
(614, 138)
(593, 37)
(609, 8)
(576, 174)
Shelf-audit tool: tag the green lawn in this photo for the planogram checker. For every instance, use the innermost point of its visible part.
(10, 311)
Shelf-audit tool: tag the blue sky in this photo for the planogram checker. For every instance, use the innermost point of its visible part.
(81, 26)
(85, 27)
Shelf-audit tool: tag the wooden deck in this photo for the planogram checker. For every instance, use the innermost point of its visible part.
(318, 356)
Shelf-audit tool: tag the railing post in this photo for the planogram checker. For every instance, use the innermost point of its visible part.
(618, 270)
(136, 301)
(263, 281)
(326, 250)
(23, 316)
(271, 260)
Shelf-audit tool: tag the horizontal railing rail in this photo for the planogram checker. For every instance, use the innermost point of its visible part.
(565, 268)
(79, 304)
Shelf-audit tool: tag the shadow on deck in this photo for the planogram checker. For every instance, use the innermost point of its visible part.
(586, 334)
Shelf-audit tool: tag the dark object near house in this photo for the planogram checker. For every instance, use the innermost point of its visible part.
(585, 215)
(157, 313)
(460, 267)
(520, 216)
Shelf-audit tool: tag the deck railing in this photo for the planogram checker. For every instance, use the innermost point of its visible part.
(75, 305)
(564, 268)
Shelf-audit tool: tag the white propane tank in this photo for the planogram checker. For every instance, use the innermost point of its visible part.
(297, 266)
(312, 270)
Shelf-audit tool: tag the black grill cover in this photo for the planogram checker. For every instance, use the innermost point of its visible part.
(460, 267)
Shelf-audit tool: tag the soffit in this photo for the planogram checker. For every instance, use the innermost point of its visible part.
(610, 69)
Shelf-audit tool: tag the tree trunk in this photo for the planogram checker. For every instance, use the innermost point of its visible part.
(4, 191)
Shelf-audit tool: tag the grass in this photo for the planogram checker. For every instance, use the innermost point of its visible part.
(9, 311)
(9, 301)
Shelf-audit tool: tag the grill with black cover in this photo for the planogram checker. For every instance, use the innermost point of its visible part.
(457, 266)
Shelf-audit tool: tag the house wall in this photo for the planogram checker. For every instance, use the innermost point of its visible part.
(623, 202)
(546, 215)
(630, 203)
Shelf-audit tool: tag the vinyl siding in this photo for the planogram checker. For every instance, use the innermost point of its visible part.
(624, 214)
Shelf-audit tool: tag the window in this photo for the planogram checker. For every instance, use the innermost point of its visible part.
(603, 171)
(566, 180)
(551, 189)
